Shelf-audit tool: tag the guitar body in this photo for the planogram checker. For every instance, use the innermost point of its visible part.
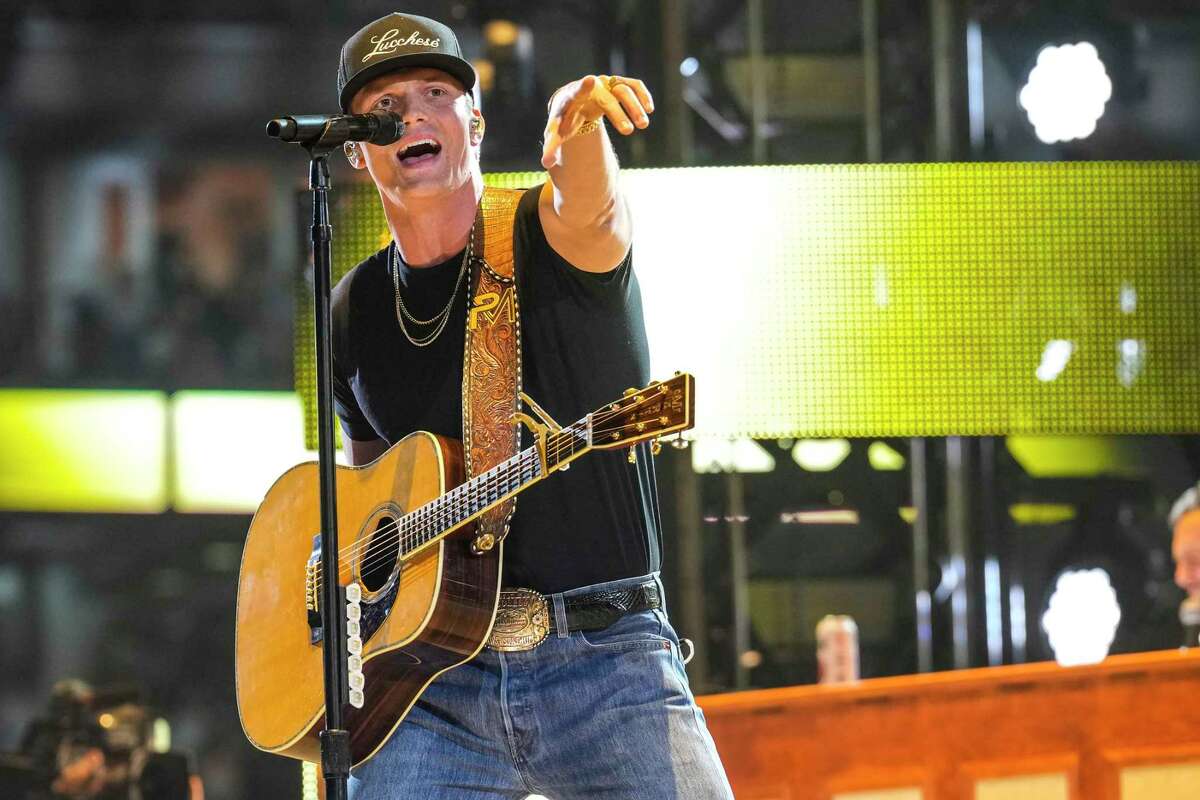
(421, 616)
(422, 612)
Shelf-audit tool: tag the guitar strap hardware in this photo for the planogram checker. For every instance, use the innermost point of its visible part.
(492, 356)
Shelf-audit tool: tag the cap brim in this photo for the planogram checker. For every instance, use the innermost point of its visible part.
(457, 67)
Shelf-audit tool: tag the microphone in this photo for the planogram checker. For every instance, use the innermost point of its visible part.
(1189, 617)
(377, 127)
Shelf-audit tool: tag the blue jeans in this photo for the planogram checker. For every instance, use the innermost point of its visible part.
(601, 715)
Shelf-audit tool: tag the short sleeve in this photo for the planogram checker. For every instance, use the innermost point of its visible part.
(532, 237)
(345, 404)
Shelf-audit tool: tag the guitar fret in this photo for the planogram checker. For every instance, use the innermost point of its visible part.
(468, 499)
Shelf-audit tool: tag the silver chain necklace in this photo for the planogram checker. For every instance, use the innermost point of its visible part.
(442, 317)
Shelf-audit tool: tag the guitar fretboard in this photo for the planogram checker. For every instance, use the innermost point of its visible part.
(472, 498)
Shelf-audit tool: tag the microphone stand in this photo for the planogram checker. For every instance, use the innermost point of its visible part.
(335, 740)
(319, 136)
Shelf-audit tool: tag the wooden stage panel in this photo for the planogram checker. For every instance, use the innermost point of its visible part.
(912, 793)
(1127, 729)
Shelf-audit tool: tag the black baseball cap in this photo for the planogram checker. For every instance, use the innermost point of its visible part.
(399, 41)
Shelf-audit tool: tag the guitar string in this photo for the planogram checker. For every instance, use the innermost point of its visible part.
(413, 527)
(499, 479)
(380, 547)
(388, 547)
(599, 416)
(410, 528)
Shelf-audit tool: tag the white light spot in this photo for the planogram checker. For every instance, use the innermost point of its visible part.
(1128, 298)
(689, 66)
(1082, 617)
(820, 455)
(1054, 359)
(1016, 619)
(1066, 92)
(726, 455)
(1131, 357)
(881, 286)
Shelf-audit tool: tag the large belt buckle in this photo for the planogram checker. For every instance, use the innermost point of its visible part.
(522, 621)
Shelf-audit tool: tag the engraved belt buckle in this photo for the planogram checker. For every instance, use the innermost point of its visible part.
(522, 621)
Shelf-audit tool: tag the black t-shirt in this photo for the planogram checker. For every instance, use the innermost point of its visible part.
(583, 342)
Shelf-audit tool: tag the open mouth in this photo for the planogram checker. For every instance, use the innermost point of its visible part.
(419, 151)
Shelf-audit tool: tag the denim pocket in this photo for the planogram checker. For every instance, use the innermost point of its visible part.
(642, 630)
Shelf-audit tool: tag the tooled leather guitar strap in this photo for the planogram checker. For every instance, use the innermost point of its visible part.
(492, 355)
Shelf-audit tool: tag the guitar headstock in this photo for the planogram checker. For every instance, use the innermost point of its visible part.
(659, 409)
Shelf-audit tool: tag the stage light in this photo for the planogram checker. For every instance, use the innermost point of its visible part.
(1066, 92)
(501, 33)
(99, 451)
(265, 428)
(1131, 357)
(882, 457)
(1041, 513)
(1077, 456)
(1054, 359)
(485, 70)
(308, 781)
(725, 455)
(820, 455)
(826, 516)
(1128, 298)
(1082, 617)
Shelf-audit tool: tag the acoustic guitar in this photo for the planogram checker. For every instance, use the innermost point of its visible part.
(428, 597)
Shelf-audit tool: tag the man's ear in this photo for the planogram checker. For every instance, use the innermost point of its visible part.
(354, 154)
(478, 126)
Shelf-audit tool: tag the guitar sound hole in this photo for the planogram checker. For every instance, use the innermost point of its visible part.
(380, 558)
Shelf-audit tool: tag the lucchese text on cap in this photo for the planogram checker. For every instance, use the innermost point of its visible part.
(387, 42)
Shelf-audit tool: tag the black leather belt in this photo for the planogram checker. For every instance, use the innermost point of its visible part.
(525, 618)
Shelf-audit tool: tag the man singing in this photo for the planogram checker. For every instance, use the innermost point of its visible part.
(587, 713)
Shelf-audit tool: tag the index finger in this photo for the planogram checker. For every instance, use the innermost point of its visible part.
(643, 94)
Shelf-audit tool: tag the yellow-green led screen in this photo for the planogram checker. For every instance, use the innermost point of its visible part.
(898, 300)
(95, 451)
(231, 446)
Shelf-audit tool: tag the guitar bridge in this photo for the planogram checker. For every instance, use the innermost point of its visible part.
(374, 611)
(312, 590)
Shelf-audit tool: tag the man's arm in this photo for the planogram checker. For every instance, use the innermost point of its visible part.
(581, 209)
(359, 452)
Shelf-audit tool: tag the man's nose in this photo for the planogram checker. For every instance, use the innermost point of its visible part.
(414, 109)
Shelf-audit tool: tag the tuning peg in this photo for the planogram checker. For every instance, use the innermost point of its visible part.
(628, 392)
(633, 455)
(679, 443)
(655, 447)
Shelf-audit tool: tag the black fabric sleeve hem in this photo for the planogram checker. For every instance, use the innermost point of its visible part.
(531, 218)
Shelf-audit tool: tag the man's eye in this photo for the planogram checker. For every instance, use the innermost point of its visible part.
(437, 91)
(383, 102)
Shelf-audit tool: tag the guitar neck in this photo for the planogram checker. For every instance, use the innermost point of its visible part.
(438, 518)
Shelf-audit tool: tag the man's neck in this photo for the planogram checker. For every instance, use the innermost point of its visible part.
(429, 230)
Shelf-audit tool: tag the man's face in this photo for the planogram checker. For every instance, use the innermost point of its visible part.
(1185, 547)
(438, 151)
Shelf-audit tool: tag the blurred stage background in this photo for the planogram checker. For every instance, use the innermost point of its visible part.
(153, 242)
